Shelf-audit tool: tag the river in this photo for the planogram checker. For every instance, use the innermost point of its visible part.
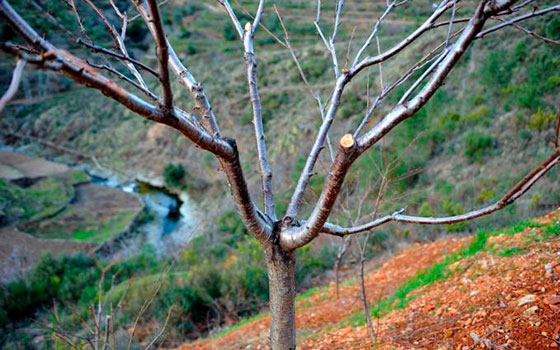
(172, 218)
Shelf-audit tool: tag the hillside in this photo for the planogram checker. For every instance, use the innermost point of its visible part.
(475, 135)
(494, 290)
(490, 124)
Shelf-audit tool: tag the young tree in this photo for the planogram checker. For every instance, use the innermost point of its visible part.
(281, 235)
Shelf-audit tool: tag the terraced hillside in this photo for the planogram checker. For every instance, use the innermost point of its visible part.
(47, 207)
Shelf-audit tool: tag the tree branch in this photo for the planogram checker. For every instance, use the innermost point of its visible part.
(373, 32)
(257, 223)
(515, 193)
(341, 82)
(251, 217)
(427, 25)
(118, 40)
(14, 84)
(307, 171)
(518, 19)
(77, 69)
(95, 48)
(202, 105)
(298, 236)
(258, 16)
(266, 172)
(162, 53)
(531, 33)
(112, 70)
(557, 130)
(287, 44)
(234, 20)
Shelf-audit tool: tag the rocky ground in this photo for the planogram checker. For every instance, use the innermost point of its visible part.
(502, 292)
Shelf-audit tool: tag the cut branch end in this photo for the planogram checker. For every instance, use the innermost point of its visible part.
(347, 141)
(248, 27)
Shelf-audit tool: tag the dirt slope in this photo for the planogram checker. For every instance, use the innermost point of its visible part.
(505, 295)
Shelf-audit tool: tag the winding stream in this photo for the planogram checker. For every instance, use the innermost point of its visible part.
(173, 220)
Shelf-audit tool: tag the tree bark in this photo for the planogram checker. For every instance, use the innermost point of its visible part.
(281, 277)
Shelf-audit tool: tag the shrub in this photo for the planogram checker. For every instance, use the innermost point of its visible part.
(174, 174)
(449, 122)
(229, 32)
(485, 195)
(495, 71)
(541, 119)
(476, 145)
(477, 115)
(535, 201)
(63, 279)
(426, 210)
(552, 29)
(452, 208)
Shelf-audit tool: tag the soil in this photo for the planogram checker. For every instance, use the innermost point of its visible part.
(322, 309)
(16, 165)
(20, 251)
(507, 297)
(93, 209)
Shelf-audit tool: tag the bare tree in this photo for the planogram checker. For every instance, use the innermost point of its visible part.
(281, 235)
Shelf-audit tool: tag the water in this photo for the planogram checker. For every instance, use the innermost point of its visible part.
(175, 218)
(174, 221)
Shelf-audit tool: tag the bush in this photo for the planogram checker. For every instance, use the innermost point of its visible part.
(552, 29)
(535, 201)
(476, 145)
(426, 210)
(174, 174)
(61, 279)
(496, 72)
(230, 33)
(452, 208)
(477, 115)
(541, 119)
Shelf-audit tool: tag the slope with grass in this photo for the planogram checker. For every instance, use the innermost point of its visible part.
(497, 288)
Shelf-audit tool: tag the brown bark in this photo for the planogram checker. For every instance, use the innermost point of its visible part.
(281, 279)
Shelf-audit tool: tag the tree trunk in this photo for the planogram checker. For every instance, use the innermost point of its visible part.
(281, 279)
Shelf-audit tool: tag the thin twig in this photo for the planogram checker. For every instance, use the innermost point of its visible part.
(557, 130)
(14, 84)
(95, 48)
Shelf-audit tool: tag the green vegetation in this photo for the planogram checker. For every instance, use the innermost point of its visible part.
(541, 120)
(35, 199)
(512, 251)
(476, 145)
(220, 274)
(174, 174)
